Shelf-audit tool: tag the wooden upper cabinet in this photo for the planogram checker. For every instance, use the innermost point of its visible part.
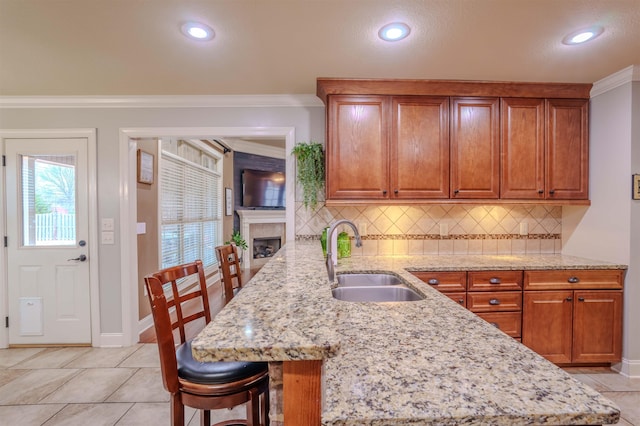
(448, 141)
(523, 148)
(475, 148)
(567, 154)
(357, 147)
(419, 148)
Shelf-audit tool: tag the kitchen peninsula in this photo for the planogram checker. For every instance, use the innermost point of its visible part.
(424, 362)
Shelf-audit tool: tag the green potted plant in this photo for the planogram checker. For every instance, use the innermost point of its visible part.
(310, 171)
(238, 241)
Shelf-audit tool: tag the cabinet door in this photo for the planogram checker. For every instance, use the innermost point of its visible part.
(522, 122)
(597, 326)
(357, 147)
(567, 170)
(475, 148)
(547, 324)
(420, 148)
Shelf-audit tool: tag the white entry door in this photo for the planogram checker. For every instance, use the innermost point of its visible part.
(47, 213)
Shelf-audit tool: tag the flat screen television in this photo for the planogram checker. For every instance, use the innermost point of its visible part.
(262, 189)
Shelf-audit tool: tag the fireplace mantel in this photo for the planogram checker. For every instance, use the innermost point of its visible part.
(255, 217)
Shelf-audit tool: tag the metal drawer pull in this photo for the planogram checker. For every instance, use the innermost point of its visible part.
(433, 281)
(495, 324)
(494, 280)
(461, 301)
(494, 301)
(574, 280)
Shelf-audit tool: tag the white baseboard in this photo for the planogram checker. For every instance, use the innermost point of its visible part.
(145, 324)
(110, 340)
(628, 367)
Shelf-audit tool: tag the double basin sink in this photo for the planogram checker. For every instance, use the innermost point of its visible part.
(373, 287)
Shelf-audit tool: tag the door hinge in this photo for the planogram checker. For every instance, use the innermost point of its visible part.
(6, 322)
(6, 241)
(4, 160)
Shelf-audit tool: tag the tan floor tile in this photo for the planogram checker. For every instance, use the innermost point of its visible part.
(89, 414)
(145, 356)
(31, 387)
(147, 413)
(102, 357)
(629, 403)
(28, 414)
(144, 386)
(52, 358)
(154, 413)
(588, 380)
(10, 357)
(92, 385)
(239, 412)
(617, 382)
(8, 375)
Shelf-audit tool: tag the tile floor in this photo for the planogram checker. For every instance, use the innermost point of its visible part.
(122, 386)
(81, 386)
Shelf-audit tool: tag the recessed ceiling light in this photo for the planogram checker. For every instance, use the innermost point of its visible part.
(394, 32)
(197, 31)
(583, 35)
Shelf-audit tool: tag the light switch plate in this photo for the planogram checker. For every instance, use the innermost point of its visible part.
(108, 237)
(108, 224)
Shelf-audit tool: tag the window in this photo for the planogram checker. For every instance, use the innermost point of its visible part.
(190, 203)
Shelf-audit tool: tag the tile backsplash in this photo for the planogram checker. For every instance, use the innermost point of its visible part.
(441, 229)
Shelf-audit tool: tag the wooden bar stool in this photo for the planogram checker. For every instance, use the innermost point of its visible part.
(230, 269)
(202, 385)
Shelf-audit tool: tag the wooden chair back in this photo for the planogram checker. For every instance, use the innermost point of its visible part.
(166, 322)
(230, 269)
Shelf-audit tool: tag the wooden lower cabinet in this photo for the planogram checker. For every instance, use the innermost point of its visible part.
(571, 317)
(569, 326)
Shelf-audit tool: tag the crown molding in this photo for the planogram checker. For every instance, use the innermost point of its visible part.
(617, 79)
(181, 101)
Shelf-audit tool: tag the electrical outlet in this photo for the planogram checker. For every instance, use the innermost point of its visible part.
(362, 229)
(524, 228)
(444, 230)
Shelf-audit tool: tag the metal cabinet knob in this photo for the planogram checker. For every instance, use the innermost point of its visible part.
(433, 281)
(495, 280)
(573, 280)
(494, 302)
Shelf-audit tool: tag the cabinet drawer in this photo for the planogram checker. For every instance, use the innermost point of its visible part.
(494, 280)
(460, 298)
(509, 322)
(573, 279)
(444, 281)
(494, 301)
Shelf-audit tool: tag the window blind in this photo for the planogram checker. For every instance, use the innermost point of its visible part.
(191, 211)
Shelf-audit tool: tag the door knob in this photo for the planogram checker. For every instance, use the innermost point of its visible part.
(81, 258)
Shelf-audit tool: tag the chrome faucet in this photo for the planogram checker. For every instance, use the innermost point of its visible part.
(332, 244)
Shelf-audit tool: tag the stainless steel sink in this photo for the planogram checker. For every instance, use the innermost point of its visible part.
(364, 279)
(395, 293)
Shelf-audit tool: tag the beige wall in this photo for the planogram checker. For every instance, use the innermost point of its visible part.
(147, 199)
(227, 182)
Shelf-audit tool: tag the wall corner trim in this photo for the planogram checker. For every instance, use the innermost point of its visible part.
(178, 101)
(624, 76)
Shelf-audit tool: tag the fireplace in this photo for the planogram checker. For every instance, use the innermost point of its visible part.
(265, 247)
(259, 228)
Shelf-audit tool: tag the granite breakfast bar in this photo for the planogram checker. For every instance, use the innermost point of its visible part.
(420, 363)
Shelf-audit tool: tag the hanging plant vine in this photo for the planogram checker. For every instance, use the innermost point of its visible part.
(310, 171)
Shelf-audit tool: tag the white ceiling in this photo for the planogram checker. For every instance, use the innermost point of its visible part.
(134, 47)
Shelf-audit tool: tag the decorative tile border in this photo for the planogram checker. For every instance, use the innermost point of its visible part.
(448, 237)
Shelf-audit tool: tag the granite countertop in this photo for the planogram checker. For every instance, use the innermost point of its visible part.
(419, 363)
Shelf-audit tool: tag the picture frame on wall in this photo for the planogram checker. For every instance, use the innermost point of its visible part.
(228, 202)
(145, 167)
(635, 193)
